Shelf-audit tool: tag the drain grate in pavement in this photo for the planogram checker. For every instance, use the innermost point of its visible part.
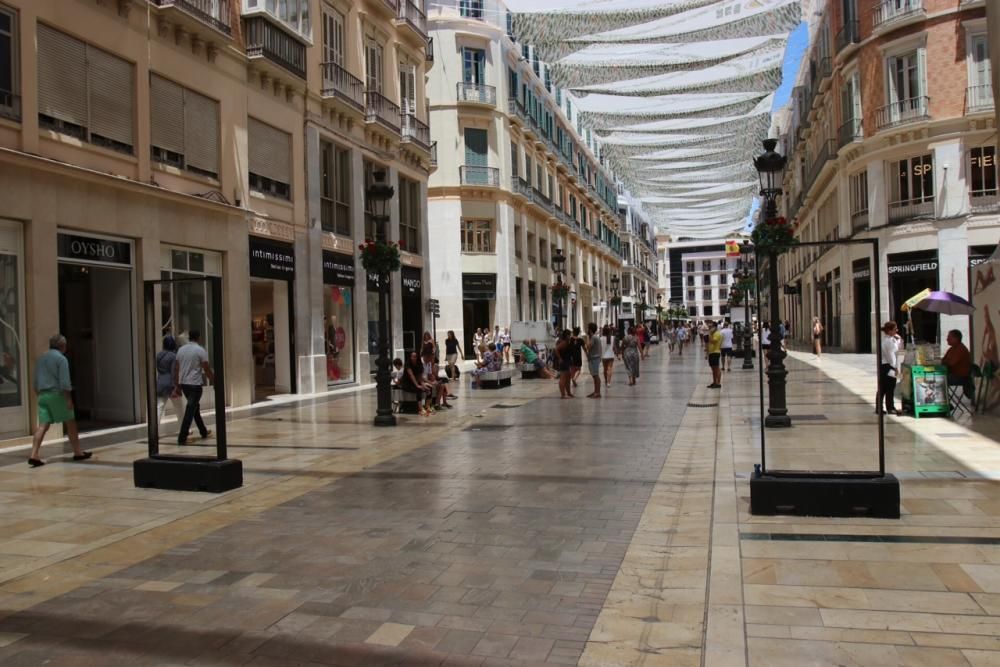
(488, 427)
(703, 405)
(502, 406)
(808, 418)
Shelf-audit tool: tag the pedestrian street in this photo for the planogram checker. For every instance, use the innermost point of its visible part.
(516, 529)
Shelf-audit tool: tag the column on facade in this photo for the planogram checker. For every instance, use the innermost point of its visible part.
(309, 340)
(396, 290)
(361, 281)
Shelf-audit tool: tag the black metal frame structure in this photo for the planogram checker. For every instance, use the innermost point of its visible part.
(861, 474)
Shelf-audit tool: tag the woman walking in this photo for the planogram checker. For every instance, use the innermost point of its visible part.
(889, 370)
(477, 343)
(765, 342)
(682, 338)
(608, 353)
(451, 351)
(505, 340)
(576, 354)
(564, 363)
(166, 390)
(817, 330)
(630, 355)
(594, 355)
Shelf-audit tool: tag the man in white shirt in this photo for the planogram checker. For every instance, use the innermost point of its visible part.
(190, 372)
(727, 345)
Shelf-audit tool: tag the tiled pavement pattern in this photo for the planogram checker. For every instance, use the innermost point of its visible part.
(516, 530)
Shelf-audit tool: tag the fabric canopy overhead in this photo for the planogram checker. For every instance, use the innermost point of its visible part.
(678, 94)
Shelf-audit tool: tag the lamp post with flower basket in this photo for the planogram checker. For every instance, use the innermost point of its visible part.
(774, 236)
(560, 290)
(380, 258)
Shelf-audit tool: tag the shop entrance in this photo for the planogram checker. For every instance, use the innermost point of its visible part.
(862, 275)
(475, 315)
(270, 312)
(96, 316)
(909, 273)
(13, 384)
(413, 307)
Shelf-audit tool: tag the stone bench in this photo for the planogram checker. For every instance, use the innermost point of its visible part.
(406, 402)
(528, 372)
(496, 379)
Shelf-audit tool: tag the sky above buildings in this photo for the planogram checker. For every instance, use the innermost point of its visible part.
(798, 42)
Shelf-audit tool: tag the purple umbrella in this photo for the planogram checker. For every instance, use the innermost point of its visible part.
(945, 303)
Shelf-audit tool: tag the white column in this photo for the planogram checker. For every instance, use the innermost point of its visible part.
(953, 275)
(309, 343)
(878, 201)
(361, 280)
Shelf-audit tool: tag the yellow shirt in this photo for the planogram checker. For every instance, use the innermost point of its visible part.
(715, 343)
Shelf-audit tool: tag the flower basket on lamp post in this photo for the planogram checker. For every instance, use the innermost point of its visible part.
(380, 257)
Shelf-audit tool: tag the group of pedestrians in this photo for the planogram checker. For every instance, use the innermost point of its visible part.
(483, 338)
(600, 347)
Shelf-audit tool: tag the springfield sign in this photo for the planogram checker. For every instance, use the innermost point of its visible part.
(913, 267)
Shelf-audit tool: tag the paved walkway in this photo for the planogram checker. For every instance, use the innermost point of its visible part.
(517, 529)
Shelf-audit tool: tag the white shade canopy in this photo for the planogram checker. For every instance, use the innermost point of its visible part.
(678, 94)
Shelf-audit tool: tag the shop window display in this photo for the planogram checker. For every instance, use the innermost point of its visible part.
(338, 311)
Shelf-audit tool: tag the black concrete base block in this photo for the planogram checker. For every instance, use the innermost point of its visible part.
(188, 473)
(825, 495)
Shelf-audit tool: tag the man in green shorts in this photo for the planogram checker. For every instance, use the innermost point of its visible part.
(55, 400)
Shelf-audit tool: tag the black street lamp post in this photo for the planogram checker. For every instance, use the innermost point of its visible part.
(659, 313)
(616, 296)
(379, 193)
(771, 168)
(746, 274)
(642, 306)
(558, 264)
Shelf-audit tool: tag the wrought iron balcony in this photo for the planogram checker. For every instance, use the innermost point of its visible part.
(339, 83)
(521, 187)
(470, 175)
(911, 110)
(429, 51)
(910, 210)
(214, 13)
(985, 201)
(979, 98)
(477, 93)
(380, 109)
(411, 15)
(266, 40)
(849, 132)
(434, 153)
(416, 131)
(859, 221)
(849, 34)
(890, 11)
(824, 70)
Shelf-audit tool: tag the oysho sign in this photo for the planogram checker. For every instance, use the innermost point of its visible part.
(92, 249)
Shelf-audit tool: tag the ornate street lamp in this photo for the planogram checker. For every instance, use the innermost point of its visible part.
(379, 194)
(659, 313)
(558, 264)
(746, 274)
(770, 166)
(642, 306)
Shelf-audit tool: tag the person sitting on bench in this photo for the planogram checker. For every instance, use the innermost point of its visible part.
(531, 361)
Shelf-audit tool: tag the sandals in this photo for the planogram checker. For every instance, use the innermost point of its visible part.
(82, 457)
(35, 463)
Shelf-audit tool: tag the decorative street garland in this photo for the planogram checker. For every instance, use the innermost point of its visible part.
(560, 291)
(775, 233)
(380, 257)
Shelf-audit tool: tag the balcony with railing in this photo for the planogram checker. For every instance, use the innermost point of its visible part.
(824, 70)
(434, 153)
(213, 13)
(849, 132)
(265, 40)
(912, 110)
(889, 12)
(979, 99)
(848, 35)
(859, 221)
(476, 93)
(410, 15)
(342, 85)
(472, 175)
(985, 201)
(381, 110)
(521, 187)
(429, 51)
(910, 210)
(416, 131)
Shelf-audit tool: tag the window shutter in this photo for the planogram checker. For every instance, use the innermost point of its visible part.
(62, 76)
(110, 89)
(201, 122)
(166, 100)
(269, 151)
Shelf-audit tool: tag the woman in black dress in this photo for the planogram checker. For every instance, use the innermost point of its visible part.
(564, 362)
(576, 353)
